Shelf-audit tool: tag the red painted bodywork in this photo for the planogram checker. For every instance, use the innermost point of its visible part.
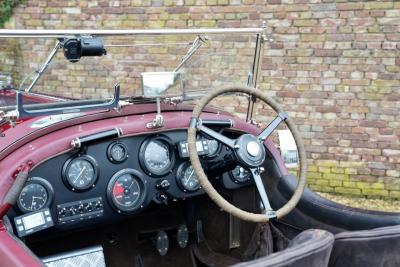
(23, 144)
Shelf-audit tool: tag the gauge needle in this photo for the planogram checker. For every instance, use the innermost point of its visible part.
(80, 174)
(190, 176)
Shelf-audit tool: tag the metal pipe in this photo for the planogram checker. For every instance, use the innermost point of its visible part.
(8, 33)
(44, 66)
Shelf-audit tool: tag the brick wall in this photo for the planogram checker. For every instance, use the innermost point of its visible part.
(334, 65)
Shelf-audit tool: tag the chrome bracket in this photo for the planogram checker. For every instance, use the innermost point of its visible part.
(158, 121)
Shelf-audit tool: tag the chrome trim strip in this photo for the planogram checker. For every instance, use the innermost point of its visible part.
(9, 33)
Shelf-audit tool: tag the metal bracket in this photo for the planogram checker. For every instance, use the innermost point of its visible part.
(20, 112)
(158, 121)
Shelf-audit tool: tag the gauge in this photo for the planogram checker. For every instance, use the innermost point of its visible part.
(117, 152)
(156, 156)
(186, 178)
(240, 174)
(213, 147)
(35, 195)
(80, 173)
(126, 190)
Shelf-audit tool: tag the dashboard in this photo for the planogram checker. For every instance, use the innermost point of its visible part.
(112, 179)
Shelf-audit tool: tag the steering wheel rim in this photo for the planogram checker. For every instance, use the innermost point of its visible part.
(194, 126)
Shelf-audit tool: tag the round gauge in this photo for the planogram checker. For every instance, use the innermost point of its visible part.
(240, 174)
(126, 190)
(213, 147)
(186, 178)
(80, 173)
(35, 195)
(156, 156)
(117, 152)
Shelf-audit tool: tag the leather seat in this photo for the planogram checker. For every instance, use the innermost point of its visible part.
(379, 247)
(310, 248)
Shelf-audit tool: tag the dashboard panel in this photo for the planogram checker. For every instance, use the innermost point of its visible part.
(109, 180)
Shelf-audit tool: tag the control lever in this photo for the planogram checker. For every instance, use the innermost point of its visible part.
(162, 198)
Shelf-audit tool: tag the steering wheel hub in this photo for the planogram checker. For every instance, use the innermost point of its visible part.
(249, 151)
(253, 149)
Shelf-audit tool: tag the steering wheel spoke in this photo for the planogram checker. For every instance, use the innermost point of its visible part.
(217, 136)
(272, 126)
(261, 189)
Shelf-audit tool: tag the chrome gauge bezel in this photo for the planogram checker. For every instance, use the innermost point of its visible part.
(143, 186)
(179, 174)
(109, 152)
(216, 153)
(67, 165)
(142, 159)
(46, 185)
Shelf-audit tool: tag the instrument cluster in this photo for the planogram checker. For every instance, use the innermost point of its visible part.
(119, 177)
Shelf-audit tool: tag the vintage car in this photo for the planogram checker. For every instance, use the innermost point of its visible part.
(180, 166)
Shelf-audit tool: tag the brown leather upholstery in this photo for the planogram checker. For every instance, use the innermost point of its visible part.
(310, 248)
(379, 247)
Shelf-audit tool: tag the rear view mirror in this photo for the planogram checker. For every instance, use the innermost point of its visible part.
(154, 84)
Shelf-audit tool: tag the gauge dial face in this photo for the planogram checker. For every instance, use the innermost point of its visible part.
(213, 147)
(157, 157)
(126, 190)
(81, 173)
(117, 152)
(240, 175)
(187, 178)
(33, 197)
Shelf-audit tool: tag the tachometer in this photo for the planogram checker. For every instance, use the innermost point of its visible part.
(156, 156)
(35, 195)
(80, 173)
(186, 178)
(126, 190)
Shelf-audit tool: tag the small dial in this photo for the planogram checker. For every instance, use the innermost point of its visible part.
(156, 156)
(186, 177)
(240, 174)
(117, 152)
(126, 190)
(80, 173)
(35, 195)
(213, 147)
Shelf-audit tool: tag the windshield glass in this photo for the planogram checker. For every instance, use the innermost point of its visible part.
(203, 62)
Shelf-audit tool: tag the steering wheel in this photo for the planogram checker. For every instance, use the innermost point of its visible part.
(249, 151)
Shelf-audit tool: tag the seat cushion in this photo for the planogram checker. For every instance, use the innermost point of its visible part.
(310, 248)
(379, 247)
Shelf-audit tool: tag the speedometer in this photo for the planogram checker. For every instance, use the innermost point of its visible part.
(156, 156)
(126, 190)
(80, 173)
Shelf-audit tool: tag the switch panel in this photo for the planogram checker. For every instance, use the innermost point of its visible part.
(80, 210)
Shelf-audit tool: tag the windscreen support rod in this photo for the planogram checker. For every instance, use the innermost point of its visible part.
(195, 46)
(40, 71)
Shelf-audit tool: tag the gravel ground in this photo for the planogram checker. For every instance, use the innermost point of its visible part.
(365, 203)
